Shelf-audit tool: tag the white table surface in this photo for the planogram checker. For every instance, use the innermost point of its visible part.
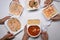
(53, 29)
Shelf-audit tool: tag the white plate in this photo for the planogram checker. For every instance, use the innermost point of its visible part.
(10, 29)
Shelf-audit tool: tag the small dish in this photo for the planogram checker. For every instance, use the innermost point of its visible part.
(32, 4)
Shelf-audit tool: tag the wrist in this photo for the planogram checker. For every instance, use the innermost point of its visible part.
(2, 39)
(1, 21)
(25, 37)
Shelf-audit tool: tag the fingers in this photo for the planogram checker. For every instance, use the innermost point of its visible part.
(48, 2)
(39, 1)
(25, 29)
(8, 32)
(44, 36)
(7, 17)
(53, 19)
(25, 32)
(56, 18)
(4, 19)
(10, 36)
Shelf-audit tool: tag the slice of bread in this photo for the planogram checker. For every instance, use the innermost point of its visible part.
(33, 21)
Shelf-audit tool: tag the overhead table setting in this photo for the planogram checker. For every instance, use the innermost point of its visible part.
(31, 17)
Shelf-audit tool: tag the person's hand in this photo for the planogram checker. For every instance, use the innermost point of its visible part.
(25, 36)
(8, 36)
(39, 1)
(4, 19)
(48, 2)
(56, 18)
(44, 35)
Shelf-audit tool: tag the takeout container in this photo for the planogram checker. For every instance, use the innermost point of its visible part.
(14, 33)
(34, 24)
(53, 14)
(15, 14)
(30, 8)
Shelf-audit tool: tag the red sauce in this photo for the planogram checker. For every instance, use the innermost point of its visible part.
(34, 30)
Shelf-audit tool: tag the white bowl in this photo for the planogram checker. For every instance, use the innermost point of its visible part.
(30, 34)
(29, 8)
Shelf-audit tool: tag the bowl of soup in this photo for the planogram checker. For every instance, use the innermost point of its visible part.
(33, 30)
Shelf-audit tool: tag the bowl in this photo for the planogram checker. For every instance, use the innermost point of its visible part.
(32, 4)
(33, 30)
